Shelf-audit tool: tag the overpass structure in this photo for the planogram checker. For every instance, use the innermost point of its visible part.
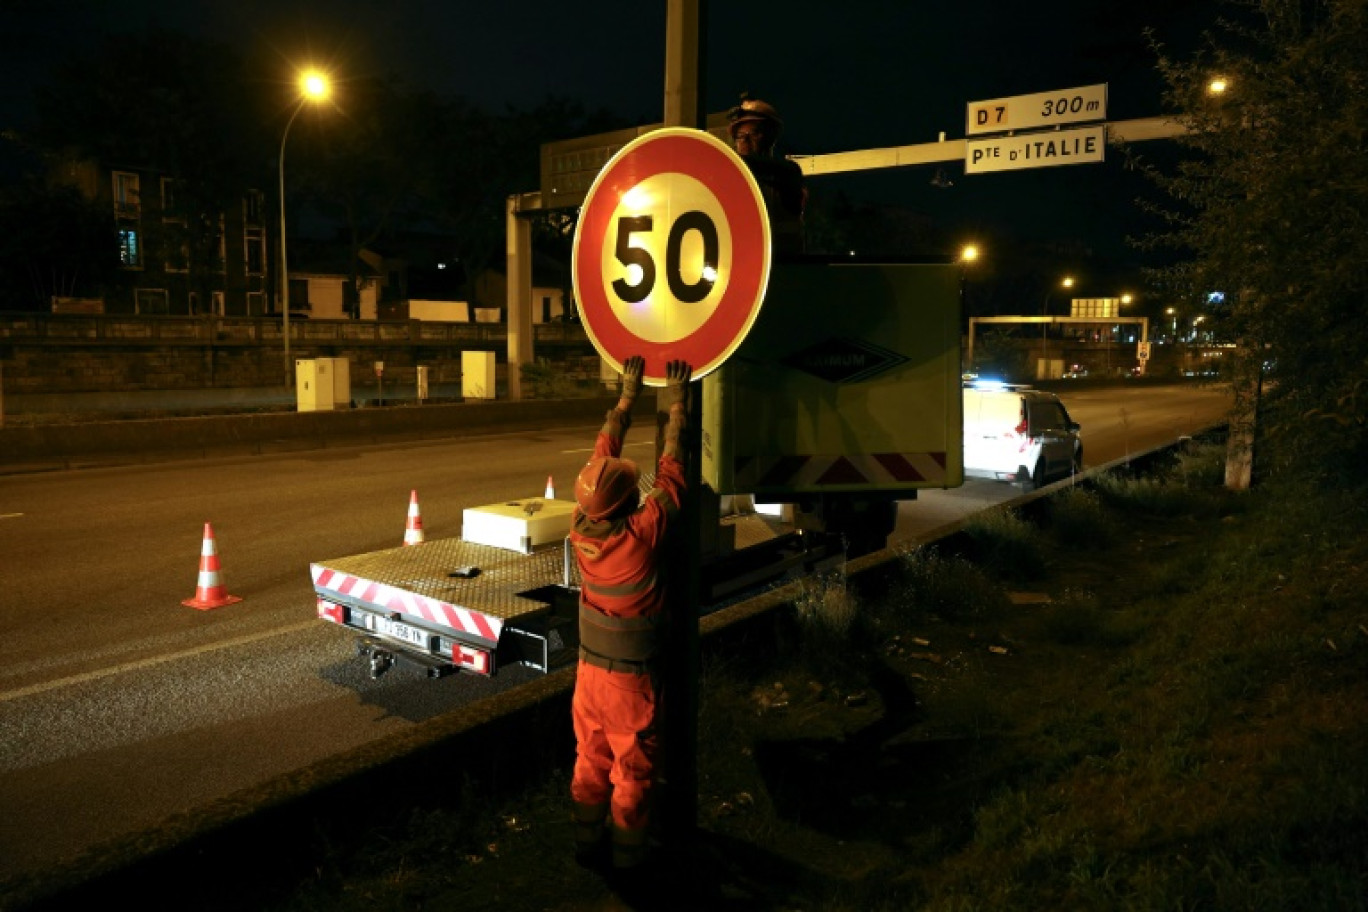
(1047, 321)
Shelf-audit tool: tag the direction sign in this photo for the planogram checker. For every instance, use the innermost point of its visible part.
(672, 253)
(1035, 150)
(1043, 109)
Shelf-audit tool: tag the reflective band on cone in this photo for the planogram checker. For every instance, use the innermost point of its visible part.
(550, 488)
(413, 529)
(210, 593)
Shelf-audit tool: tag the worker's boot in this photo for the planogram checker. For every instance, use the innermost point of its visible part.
(590, 847)
(629, 849)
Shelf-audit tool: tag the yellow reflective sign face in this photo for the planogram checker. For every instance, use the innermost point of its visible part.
(672, 238)
(672, 253)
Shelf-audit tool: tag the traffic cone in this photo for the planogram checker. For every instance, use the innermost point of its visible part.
(550, 488)
(413, 529)
(210, 593)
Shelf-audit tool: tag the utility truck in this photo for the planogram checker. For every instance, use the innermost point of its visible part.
(843, 400)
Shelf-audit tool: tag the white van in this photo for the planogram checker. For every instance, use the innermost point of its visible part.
(1018, 434)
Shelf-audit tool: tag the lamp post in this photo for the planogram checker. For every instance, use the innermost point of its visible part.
(969, 255)
(313, 86)
(1066, 282)
(1121, 301)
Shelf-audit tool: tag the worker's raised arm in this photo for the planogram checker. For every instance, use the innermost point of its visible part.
(677, 375)
(619, 418)
(669, 486)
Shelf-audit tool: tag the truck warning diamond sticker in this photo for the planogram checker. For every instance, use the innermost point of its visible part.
(844, 360)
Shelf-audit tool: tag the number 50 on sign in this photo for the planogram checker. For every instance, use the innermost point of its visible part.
(672, 253)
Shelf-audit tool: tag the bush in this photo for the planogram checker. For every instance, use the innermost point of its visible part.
(949, 588)
(543, 380)
(826, 608)
(1079, 519)
(1007, 545)
(1078, 618)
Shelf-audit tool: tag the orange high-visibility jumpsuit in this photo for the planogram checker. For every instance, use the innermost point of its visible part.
(616, 702)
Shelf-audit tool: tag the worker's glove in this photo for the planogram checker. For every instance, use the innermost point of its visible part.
(676, 396)
(677, 384)
(632, 369)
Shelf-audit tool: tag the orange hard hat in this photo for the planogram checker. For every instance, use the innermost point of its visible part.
(606, 486)
(752, 110)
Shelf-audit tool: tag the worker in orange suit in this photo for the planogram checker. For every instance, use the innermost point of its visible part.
(618, 538)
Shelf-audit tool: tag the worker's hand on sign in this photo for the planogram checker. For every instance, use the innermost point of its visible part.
(632, 369)
(676, 395)
(677, 383)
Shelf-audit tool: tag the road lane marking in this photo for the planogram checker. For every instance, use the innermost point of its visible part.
(625, 446)
(8, 695)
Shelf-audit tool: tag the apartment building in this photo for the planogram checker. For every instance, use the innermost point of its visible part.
(180, 260)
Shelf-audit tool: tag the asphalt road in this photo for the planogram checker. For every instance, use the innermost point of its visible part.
(1117, 421)
(120, 708)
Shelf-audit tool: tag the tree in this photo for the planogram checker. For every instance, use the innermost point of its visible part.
(483, 158)
(1272, 206)
(357, 165)
(53, 243)
(391, 161)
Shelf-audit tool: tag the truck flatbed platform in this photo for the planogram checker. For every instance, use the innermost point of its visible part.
(416, 580)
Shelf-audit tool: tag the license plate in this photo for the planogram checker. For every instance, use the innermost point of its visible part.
(400, 631)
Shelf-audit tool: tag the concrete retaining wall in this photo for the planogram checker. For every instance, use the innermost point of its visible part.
(64, 353)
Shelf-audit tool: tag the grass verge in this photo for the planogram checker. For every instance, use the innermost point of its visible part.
(1155, 700)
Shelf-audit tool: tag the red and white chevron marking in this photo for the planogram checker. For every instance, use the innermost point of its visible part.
(331, 584)
(818, 470)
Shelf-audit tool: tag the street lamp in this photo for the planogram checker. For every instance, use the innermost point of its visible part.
(968, 256)
(313, 86)
(1122, 300)
(1066, 282)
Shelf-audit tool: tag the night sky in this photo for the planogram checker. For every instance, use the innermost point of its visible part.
(845, 76)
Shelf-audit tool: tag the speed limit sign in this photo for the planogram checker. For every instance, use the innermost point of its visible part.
(672, 253)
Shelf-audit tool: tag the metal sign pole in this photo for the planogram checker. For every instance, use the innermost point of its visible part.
(679, 808)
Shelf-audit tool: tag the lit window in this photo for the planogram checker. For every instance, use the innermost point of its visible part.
(129, 252)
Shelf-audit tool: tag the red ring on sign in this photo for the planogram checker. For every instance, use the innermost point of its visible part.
(712, 164)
